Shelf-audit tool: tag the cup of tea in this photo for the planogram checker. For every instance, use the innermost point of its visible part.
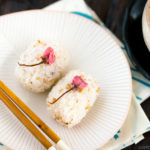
(146, 24)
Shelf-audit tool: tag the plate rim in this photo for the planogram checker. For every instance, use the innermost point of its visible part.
(110, 34)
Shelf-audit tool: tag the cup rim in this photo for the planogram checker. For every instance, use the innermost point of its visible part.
(147, 14)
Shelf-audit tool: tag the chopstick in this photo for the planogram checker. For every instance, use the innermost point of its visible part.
(50, 133)
(27, 123)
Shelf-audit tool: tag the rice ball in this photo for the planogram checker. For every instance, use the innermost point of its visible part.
(72, 97)
(41, 65)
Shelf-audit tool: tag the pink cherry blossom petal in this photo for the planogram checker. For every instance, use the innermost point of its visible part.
(79, 82)
(49, 55)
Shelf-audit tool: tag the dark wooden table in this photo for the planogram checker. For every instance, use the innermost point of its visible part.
(110, 11)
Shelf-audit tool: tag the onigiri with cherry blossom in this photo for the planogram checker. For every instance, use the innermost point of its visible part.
(41, 65)
(72, 97)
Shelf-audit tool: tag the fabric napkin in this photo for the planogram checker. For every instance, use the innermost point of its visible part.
(136, 123)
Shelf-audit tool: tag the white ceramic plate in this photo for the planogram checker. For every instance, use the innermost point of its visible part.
(92, 50)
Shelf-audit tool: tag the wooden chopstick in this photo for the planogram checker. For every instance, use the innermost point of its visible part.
(27, 123)
(52, 135)
(60, 144)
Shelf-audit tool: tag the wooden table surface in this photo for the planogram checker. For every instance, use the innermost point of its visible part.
(110, 11)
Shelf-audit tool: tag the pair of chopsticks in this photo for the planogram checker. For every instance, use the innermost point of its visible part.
(14, 104)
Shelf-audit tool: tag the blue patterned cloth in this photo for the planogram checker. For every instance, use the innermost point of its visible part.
(136, 123)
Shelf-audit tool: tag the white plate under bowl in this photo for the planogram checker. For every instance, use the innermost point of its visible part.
(92, 50)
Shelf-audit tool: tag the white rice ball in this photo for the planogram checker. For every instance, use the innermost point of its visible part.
(41, 77)
(71, 108)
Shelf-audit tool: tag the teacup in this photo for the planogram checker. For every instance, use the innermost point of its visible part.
(146, 24)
